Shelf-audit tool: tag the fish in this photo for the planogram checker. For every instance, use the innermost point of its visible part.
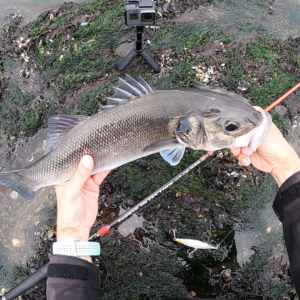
(136, 122)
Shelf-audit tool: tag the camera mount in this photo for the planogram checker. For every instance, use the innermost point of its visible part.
(139, 51)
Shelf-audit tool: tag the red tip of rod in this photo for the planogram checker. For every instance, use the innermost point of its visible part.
(104, 230)
(284, 96)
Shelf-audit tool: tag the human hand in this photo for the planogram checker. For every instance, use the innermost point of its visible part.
(77, 202)
(275, 156)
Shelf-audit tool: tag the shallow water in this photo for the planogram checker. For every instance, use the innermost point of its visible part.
(29, 9)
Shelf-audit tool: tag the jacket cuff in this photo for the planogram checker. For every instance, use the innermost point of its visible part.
(287, 194)
(66, 270)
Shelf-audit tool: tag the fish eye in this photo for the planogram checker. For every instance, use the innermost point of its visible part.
(232, 126)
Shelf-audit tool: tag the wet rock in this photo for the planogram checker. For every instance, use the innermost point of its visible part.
(281, 110)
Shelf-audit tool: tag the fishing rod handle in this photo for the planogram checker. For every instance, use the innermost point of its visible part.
(27, 283)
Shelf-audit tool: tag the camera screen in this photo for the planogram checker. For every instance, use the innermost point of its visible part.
(133, 16)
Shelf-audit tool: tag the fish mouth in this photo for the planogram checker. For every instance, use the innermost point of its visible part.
(237, 128)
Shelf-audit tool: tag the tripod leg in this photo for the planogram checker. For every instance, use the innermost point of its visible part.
(150, 61)
(127, 60)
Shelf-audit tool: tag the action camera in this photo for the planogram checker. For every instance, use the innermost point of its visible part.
(140, 13)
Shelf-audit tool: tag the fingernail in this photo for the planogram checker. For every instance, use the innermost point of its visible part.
(86, 161)
(246, 161)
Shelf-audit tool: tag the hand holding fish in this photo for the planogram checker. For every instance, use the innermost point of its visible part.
(77, 202)
(275, 156)
(139, 121)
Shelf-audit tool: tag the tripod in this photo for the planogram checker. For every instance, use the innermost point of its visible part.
(139, 51)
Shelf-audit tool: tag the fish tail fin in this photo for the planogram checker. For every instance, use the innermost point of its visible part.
(15, 181)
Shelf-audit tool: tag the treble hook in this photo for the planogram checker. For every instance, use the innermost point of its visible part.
(174, 233)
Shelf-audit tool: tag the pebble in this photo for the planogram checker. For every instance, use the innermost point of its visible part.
(14, 195)
(16, 243)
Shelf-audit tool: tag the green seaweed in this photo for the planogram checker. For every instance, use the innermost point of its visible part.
(265, 95)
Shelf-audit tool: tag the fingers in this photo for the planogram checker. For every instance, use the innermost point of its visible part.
(243, 155)
(98, 178)
(246, 151)
(244, 160)
(235, 151)
(82, 174)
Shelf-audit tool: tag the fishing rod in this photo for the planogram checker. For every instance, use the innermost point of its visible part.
(105, 229)
(41, 273)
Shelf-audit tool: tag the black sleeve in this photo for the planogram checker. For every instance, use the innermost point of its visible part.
(287, 207)
(72, 278)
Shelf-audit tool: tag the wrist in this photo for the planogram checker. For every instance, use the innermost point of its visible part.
(289, 167)
(66, 234)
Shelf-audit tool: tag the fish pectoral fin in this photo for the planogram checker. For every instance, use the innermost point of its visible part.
(170, 150)
(58, 126)
(173, 155)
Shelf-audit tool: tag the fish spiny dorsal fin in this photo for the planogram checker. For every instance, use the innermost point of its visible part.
(58, 127)
(123, 94)
(114, 101)
(136, 84)
(146, 85)
(127, 89)
(107, 107)
(124, 85)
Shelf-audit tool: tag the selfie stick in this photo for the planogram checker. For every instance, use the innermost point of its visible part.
(139, 51)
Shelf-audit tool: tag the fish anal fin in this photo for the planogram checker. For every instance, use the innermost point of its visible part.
(58, 127)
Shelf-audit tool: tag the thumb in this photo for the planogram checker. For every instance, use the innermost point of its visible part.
(82, 174)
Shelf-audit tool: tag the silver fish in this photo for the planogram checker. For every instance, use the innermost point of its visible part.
(139, 121)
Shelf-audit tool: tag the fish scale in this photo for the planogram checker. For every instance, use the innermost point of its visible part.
(165, 121)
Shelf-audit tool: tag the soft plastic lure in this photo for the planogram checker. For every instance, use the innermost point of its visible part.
(192, 243)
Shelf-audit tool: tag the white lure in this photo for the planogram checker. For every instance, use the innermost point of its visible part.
(193, 244)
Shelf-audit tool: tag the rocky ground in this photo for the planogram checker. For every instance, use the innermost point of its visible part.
(64, 62)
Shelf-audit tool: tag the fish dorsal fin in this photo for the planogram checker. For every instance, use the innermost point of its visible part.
(221, 91)
(107, 107)
(114, 101)
(124, 85)
(136, 84)
(123, 94)
(146, 85)
(58, 127)
(128, 89)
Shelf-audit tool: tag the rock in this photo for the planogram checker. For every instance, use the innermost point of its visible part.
(16, 243)
(124, 49)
